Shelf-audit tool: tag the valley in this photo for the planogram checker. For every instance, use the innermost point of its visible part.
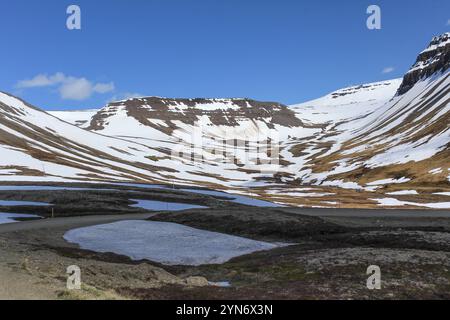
(366, 141)
(233, 198)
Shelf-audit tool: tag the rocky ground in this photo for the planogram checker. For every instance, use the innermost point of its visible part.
(329, 254)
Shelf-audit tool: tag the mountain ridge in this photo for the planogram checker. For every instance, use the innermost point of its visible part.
(435, 58)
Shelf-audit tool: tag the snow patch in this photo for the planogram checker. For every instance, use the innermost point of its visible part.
(388, 181)
(392, 202)
(435, 171)
(402, 192)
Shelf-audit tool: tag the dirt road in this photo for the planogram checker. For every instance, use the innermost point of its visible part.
(72, 222)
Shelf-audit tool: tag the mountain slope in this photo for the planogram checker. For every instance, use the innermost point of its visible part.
(407, 137)
(37, 146)
(80, 118)
(348, 103)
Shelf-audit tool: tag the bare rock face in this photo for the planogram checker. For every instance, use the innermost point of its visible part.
(226, 112)
(435, 58)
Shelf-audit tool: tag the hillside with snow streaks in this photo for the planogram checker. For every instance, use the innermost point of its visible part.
(393, 129)
(37, 146)
(412, 127)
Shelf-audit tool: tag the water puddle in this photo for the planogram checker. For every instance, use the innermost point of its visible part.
(11, 217)
(164, 206)
(22, 203)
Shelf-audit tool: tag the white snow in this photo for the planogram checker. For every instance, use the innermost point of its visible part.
(81, 118)
(395, 203)
(342, 184)
(348, 103)
(435, 171)
(166, 243)
(330, 202)
(442, 193)
(403, 192)
(388, 181)
(305, 194)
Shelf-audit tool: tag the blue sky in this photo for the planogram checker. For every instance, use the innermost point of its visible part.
(286, 51)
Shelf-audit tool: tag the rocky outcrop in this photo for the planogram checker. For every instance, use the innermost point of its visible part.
(221, 112)
(435, 58)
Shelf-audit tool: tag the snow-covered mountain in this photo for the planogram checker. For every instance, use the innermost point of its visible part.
(38, 146)
(151, 119)
(406, 137)
(434, 59)
(231, 131)
(348, 103)
(358, 137)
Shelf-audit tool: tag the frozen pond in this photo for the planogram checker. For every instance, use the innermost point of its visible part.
(10, 217)
(22, 203)
(235, 198)
(163, 242)
(164, 206)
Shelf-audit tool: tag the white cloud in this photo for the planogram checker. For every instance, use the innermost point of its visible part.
(388, 70)
(69, 88)
(41, 80)
(76, 89)
(104, 87)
